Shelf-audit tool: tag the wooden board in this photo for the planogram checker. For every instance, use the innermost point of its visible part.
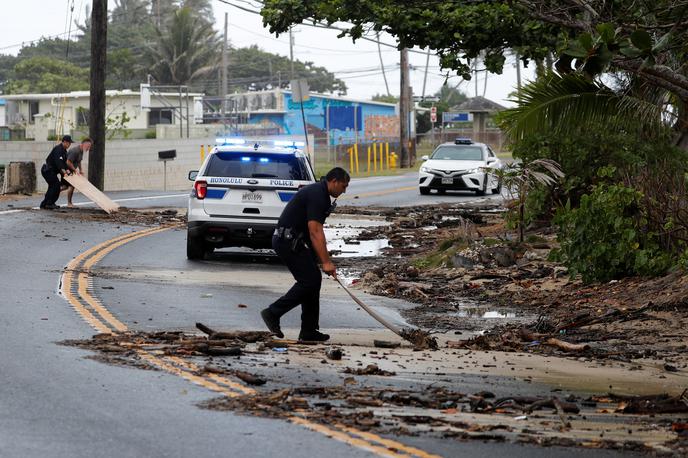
(86, 188)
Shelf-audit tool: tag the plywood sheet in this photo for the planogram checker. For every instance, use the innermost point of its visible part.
(86, 188)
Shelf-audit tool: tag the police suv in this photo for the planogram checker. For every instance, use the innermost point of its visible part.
(240, 191)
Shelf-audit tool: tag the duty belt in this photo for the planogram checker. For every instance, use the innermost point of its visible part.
(285, 233)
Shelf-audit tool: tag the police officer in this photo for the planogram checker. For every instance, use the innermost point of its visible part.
(55, 164)
(300, 242)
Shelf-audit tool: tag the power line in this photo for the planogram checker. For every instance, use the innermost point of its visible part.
(319, 25)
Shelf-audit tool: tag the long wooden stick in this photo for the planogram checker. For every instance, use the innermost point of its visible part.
(371, 312)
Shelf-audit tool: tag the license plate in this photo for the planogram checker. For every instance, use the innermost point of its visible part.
(447, 181)
(252, 198)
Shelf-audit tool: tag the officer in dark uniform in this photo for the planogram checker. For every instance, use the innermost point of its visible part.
(55, 164)
(300, 242)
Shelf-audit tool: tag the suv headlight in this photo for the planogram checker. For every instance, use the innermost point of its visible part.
(425, 169)
(478, 170)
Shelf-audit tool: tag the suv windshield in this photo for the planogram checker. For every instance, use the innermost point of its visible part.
(257, 165)
(458, 153)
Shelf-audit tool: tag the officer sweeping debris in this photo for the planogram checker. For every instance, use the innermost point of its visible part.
(299, 240)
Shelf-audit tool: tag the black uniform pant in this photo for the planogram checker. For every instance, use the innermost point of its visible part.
(53, 192)
(306, 290)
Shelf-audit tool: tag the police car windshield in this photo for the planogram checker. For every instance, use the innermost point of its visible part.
(256, 165)
(458, 153)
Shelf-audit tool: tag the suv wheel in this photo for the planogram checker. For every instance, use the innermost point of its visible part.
(195, 247)
(424, 191)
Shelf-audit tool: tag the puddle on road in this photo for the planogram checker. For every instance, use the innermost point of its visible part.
(478, 311)
(341, 233)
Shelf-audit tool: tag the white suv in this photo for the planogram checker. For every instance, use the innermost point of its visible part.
(460, 166)
(239, 194)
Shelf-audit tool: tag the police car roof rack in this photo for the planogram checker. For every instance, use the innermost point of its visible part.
(463, 141)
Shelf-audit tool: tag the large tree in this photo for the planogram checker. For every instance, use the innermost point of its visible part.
(47, 75)
(645, 39)
(185, 51)
(253, 68)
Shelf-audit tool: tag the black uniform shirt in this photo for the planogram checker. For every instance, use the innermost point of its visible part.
(56, 159)
(311, 203)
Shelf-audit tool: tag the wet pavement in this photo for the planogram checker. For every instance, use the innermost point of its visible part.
(54, 402)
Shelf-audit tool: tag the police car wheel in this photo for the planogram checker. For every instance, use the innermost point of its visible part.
(195, 247)
(424, 191)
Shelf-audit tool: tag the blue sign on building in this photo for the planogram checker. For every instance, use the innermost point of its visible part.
(456, 117)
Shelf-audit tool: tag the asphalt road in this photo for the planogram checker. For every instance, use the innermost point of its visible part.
(56, 402)
(400, 190)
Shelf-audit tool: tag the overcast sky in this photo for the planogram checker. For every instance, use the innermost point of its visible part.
(358, 64)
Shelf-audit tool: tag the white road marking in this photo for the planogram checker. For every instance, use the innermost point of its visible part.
(7, 212)
(130, 199)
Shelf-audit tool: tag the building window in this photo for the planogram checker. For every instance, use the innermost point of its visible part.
(82, 116)
(33, 110)
(160, 116)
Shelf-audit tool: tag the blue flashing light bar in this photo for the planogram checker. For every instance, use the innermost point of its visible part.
(264, 159)
(245, 159)
(463, 141)
(230, 141)
(289, 143)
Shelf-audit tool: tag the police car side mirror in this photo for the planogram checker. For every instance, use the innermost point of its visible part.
(491, 160)
(425, 158)
(192, 175)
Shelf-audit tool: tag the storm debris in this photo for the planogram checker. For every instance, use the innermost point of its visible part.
(370, 369)
(334, 353)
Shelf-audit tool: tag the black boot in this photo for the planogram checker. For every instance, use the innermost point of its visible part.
(272, 322)
(313, 336)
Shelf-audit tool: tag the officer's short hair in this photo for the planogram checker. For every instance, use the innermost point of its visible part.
(338, 174)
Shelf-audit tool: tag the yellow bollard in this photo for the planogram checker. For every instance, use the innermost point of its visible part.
(202, 153)
(368, 160)
(394, 159)
(356, 153)
(375, 157)
(387, 154)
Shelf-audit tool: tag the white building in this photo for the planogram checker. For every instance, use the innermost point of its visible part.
(46, 116)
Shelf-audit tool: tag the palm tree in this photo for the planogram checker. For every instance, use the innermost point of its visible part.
(186, 49)
(520, 177)
(568, 104)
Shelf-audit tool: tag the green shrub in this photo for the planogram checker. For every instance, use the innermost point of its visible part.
(151, 134)
(607, 236)
(581, 157)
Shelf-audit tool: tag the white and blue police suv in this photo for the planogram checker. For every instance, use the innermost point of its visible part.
(240, 191)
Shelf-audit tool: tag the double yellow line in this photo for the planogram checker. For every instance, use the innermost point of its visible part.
(76, 287)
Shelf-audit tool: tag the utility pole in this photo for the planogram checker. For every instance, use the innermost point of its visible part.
(223, 92)
(475, 75)
(291, 52)
(425, 77)
(404, 110)
(382, 65)
(518, 71)
(96, 123)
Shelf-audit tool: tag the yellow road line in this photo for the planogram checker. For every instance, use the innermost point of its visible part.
(90, 262)
(387, 442)
(342, 437)
(185, 374)
(83, 311)
(216, 377)
(377, 193)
